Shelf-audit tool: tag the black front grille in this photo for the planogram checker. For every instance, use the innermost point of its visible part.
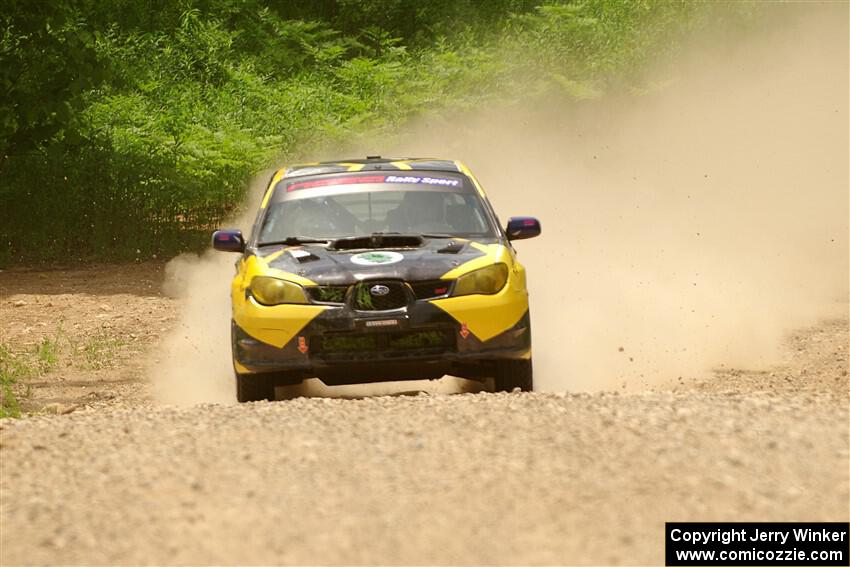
(379, 296)
(429, 289)
(328, 293)
(363, 298)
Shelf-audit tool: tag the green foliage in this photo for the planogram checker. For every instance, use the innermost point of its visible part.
(10, 372)
(46, 355)
(362, 297)
(331, 294)
(423, 339)
(345, 343)
(130, 129)
(49, 59)
(16, 367)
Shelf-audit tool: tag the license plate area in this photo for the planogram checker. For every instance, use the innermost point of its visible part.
(381, 324)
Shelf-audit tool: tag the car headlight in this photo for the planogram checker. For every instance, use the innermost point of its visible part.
(272, 291)
(487, 280)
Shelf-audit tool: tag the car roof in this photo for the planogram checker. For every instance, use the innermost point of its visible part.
(371, 163)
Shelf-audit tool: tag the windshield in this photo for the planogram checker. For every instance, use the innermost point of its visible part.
(367, 209)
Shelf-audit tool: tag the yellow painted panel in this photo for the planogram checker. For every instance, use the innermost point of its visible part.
(274, 324)
(288, 276)
(256, 266)
(273, 256)
(281, 173)
(492, 253)
(489, 315)
(465, 170)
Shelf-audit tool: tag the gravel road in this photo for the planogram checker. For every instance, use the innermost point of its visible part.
(536, 478)
(468, 479)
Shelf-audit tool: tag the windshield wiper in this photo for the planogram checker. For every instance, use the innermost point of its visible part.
(422, 234)
(294, 240)
(377, 237)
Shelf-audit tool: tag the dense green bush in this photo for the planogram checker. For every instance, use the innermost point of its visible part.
(130, 128)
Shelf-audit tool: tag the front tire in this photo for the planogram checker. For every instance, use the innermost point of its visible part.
(512, 374)
(254, 387)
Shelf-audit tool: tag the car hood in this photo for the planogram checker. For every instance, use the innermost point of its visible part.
(343, 267)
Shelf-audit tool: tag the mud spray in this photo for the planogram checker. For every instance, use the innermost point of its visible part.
(683, 229)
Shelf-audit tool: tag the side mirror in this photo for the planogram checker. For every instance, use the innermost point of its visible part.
(228, 241)
(520, 228)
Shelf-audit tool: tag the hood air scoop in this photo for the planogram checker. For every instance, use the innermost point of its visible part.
(378, 240)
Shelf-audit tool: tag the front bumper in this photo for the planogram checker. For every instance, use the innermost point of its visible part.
(420, 341)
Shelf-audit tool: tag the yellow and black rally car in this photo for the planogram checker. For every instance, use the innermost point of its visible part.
(374, 270)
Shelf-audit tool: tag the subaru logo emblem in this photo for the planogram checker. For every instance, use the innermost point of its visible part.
(379, 290)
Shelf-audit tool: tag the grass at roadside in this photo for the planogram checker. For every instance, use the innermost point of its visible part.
(19, 366)
(16, 368)
(97, 351)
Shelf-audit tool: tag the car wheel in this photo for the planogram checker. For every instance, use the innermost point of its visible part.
(254, 387)
(512, 374)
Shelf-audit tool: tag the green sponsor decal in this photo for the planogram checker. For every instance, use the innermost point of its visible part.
(376, 258)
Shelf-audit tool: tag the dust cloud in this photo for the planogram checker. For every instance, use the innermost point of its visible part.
(683, 229)
(192, 363)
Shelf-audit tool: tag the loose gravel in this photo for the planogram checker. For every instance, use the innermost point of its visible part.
(429, 479)
(109, 478)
